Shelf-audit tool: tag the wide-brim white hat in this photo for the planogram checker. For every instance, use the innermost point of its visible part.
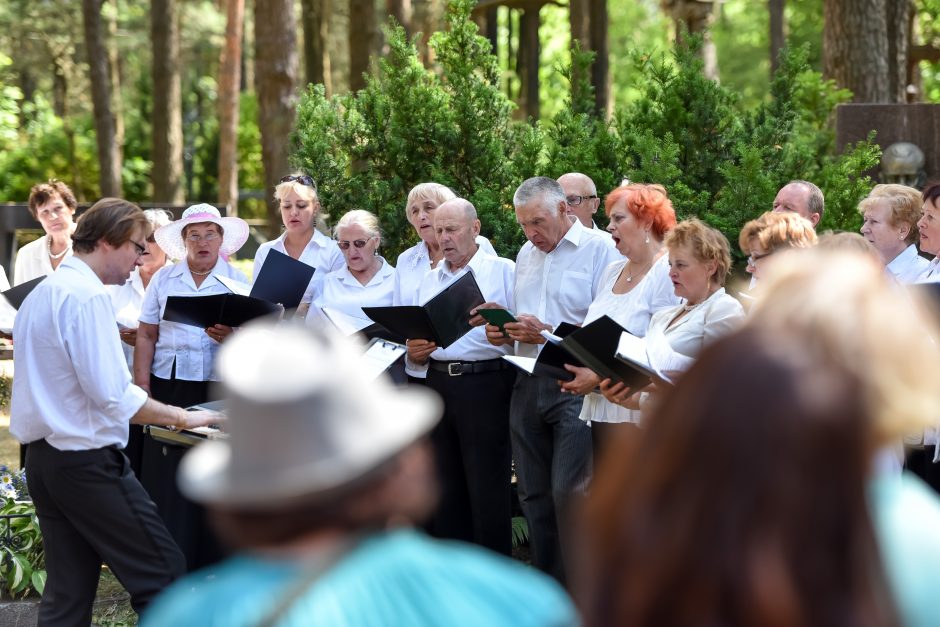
(170, 236)
(304, 419)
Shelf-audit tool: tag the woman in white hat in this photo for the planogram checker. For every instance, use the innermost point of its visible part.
(322, 473)
(300, 207)
(174, 362)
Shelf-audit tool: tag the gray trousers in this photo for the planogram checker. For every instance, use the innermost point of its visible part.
(552, 450)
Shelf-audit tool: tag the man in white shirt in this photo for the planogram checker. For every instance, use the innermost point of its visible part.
(803, 198)
(582, 201)
(558, 273)
(73, 400)
(471, 442)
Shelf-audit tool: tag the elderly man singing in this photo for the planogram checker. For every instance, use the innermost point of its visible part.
(558, 273)
(72, 402)
(472, 440)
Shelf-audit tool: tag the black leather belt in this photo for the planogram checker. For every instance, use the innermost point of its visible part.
(458, 368)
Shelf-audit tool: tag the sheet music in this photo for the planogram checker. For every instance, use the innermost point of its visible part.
(234, 285)
(380, 355)
(549, 336)
(346, 324)
(667, 363)
(526, 364)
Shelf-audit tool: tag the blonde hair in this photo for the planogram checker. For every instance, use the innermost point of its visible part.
(843, 240)
(432, 191)
(840, 306)
(707, 244)
(906, 205)
(367, 220)
(306, 192)
(776, 230)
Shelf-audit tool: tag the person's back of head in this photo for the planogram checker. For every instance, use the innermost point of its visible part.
(743, 503)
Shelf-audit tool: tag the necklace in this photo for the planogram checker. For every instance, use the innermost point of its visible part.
(631, 275)
(200, 273)
(57, 255)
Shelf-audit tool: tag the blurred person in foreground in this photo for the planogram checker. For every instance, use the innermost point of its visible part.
(753, 499)
(890, 214)
(322, 473)
(73, 399)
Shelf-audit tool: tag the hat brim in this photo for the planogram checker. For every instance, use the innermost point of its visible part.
(170, 237)
(204, 475)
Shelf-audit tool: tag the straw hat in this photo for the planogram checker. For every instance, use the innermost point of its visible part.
(170, 237)
(304, 418)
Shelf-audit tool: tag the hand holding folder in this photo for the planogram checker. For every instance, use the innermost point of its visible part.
(443, 320)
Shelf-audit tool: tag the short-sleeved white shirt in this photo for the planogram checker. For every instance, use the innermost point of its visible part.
(342, 291)
(321, 253)
(190, 347)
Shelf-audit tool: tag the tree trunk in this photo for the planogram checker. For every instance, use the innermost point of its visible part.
(777, 33)
(601, 68)
(492, 29)
(898, 22)
(99, 74)
(314, 16)
(117, 101)
(167, 113)
(697, 16)
(276, 78)
(361, 39)
(229, 82)
(855, 48)
(579, 25)
(424, 19)
(401, 11)
(529, 47)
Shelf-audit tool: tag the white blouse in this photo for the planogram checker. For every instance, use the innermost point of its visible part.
(342, 291)
(189, 347)
(414, 263)
(907, 266)
(32, 261)
(127, 300)
(717, 315)
(632, 311)
(321, 253)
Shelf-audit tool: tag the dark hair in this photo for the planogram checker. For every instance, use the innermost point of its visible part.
(932, 192)
(743, 502)
(113, 220)
(41, 193)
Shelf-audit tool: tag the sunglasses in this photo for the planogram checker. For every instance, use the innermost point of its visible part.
(359, 243)
(303, 179)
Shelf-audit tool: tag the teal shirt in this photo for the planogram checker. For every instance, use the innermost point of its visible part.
(906, 515)
(395, 578)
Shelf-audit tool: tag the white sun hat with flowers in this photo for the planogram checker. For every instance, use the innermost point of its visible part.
(170, 236)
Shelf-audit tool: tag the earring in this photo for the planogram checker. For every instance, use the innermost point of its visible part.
(647, 241)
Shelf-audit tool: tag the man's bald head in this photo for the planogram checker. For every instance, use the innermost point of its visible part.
(581, 194)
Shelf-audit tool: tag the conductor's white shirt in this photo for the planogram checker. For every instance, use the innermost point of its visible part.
(72, 387)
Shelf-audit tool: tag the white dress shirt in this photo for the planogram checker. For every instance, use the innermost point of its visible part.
(603, 233)
(71, 387)
(321, 253)
(494, 275)
(559, 286)
(32, 261)
(342, 291)
(716, 316)
(907, 266)
(127, 300)
(632, 311)
(189, 346)
(932, 273)
(414, 263)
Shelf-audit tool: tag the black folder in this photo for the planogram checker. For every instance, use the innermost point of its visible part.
(282, 279)
(595, 346)
(16, 295)
(444, 319)
(232, 310)
(552, 358)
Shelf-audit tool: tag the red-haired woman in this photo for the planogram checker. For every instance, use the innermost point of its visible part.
(634, 289)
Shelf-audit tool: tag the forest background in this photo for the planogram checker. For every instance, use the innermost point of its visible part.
(178, 101)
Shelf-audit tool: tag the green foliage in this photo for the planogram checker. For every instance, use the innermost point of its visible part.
(520, 531)
(22, 559)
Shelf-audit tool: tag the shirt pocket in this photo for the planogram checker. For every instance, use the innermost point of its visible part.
(575, 293)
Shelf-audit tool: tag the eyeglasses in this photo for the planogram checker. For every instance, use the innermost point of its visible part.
(574, 201)
(139, 249)
(359, 243)
(303, 179)
(753, 259)
(208, 237)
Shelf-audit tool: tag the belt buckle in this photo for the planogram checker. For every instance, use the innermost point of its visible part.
(455, 372)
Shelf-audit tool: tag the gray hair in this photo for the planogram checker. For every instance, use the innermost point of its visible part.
(365, 219)
(469, 211)
(816, 202)
(158, 217)
(542, 188)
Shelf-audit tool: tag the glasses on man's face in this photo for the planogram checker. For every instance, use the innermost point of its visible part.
(139, 248)
(303, 179)
(208, 237)
(574, 201)
(753, 259)
(358, 243)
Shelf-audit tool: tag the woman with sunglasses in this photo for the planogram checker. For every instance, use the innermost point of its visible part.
(366, 279)
(300, 207)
